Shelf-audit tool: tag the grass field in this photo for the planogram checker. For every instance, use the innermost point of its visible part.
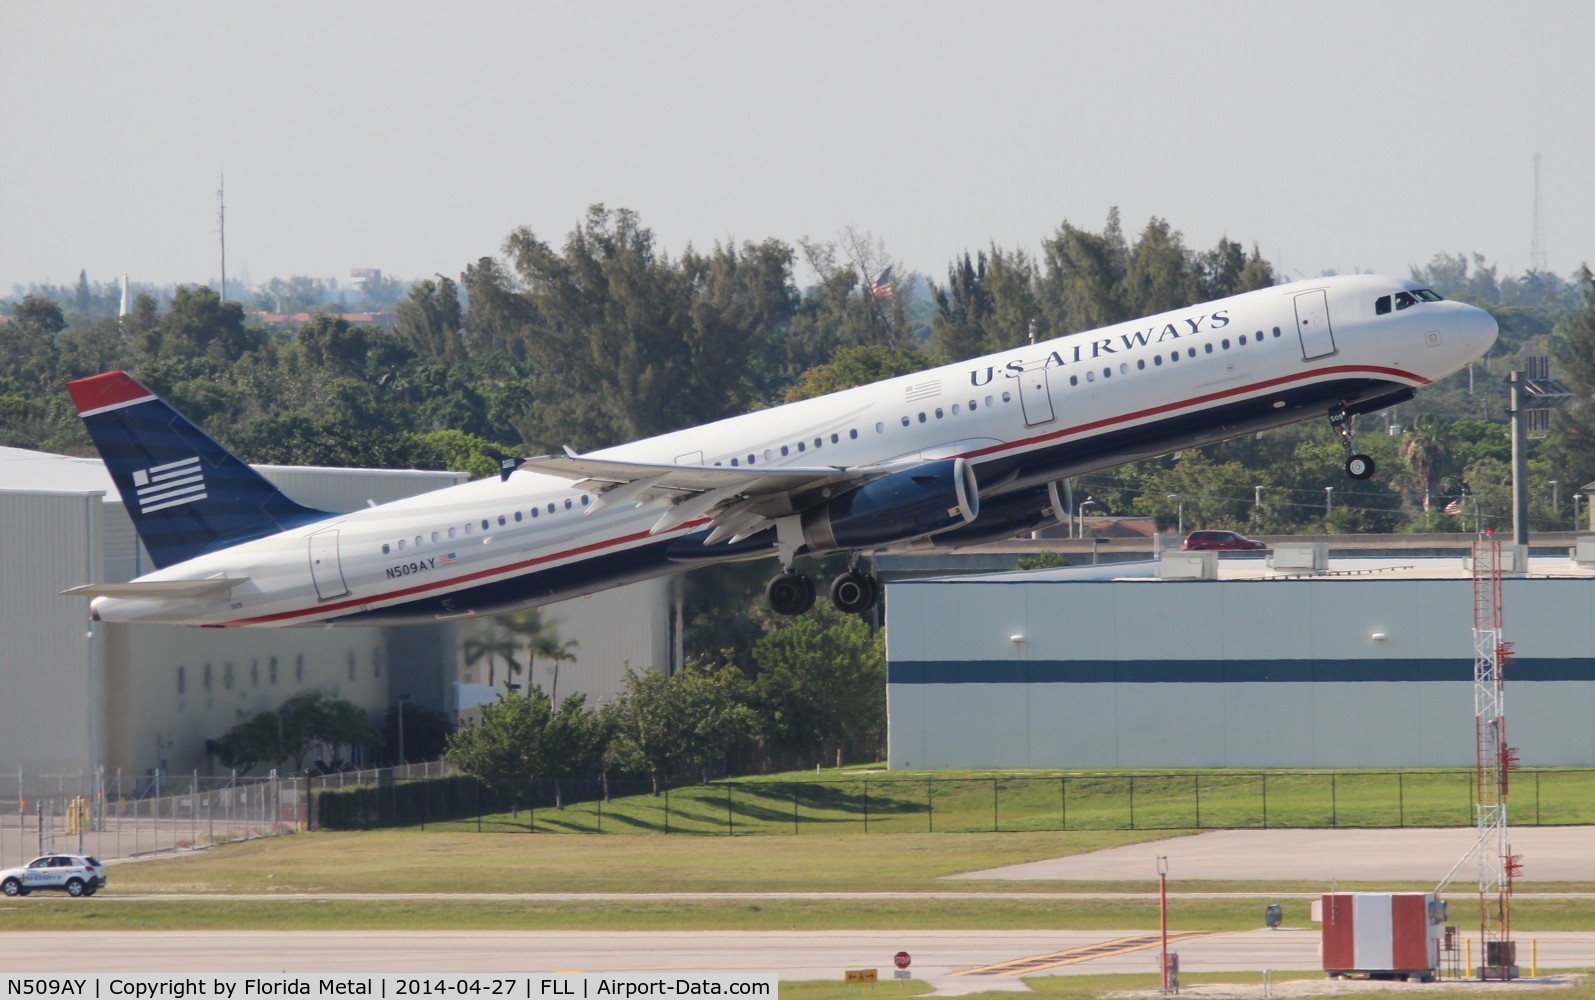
(449, 862)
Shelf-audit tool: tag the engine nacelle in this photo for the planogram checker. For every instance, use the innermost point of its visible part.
(908, 504)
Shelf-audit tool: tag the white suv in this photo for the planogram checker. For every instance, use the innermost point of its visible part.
(75, 874)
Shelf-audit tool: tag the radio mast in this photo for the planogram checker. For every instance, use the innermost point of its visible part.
(1537, 245)
(221, 226)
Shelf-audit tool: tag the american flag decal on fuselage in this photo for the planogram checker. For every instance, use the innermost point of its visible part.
(169, 485)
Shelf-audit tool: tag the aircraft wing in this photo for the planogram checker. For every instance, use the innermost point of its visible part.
(158, 589)
(741, 502)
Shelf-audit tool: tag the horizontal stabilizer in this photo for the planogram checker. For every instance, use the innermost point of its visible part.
(159, 589)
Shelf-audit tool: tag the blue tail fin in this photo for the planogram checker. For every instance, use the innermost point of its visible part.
(186, 494)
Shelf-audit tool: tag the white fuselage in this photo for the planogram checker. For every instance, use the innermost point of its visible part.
(1021, 417)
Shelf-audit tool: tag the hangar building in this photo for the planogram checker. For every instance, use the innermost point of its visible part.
(77, 696)
(1365, 664)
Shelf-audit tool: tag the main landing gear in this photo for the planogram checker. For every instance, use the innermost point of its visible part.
(852, 592)
(1358, 466)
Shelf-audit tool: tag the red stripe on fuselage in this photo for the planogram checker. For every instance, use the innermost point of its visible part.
(1162, 408)
(511, 569)
(361, 603)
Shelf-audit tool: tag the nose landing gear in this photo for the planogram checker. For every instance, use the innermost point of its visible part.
(1358, 466)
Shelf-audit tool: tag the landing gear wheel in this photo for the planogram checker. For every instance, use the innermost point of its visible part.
(854, 593)
(1359, 466)
(790, 593)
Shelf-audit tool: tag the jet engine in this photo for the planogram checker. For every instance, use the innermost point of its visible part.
(933, 497)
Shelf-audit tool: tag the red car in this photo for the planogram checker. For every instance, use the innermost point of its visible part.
(1223, 541)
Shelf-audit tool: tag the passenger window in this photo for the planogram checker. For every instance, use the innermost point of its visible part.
(835, 439)
(1224, 343)
(486, 526)
(989, 401)
(938, 413)
(551, 508)
(1276, 332)
(1074, 380)
(385, 548)
(501, 521)
(852, 432)
(972, 405)
(906, 421)
(734, 462)
(1140, 364)
(1007, 397)
(1381, 305)
(518, 517)
(1090, 376)
(769, 454)
(1190, 352)
(453, 532)
(955, 409)
(467, 530)
(586, 499)
(802, 446)
(534, 512)
(1124, 368)
(1243, 340)
(1207, 348)
(567, 503)
(1107, 373)
(1157, 359)
(750, 459)
(921, 416)
(783, 451)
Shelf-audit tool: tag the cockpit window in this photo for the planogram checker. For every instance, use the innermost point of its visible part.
(1426, 295)
(1382, 305)
(1405, 300)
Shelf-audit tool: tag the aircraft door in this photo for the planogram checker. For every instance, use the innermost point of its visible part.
(325, 568)
(1035, 396)
(1312, 325)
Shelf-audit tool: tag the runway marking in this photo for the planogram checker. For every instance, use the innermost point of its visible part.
(1073, 956)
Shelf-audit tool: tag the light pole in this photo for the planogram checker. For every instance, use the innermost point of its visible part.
(1257, 499)
(1556, 499)
(1163, 917)
(1083, 505)
(1576, 498)
(402, 699)
(1179, 527)
(1329, 497)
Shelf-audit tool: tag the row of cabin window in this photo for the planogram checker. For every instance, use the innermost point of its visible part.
(1174, 356)
(487, 525)
(974, 404)
(819, 442)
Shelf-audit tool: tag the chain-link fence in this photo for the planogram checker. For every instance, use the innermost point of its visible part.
(926, 804)
(109, 814)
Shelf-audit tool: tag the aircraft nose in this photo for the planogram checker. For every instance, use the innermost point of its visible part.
(1476, 329)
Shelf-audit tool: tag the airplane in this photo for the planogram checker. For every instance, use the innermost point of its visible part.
(968, 452)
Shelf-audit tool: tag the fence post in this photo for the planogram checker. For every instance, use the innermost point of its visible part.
(730, 829)
(1536, 798)
(1334, 805)
(1198, 778)
(1063, 802)
(930, 806)
(866, 805)
(1401, 799)
(994, 826)
(794, 810)
(1265, 800)
(667, 804)
(1132, 802)
(193, 811)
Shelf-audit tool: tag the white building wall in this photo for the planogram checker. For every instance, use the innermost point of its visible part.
(51, 708)
(1256, 673)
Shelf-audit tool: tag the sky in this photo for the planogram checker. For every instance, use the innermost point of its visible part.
(414, 137)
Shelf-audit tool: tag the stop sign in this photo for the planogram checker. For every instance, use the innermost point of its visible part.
(902, 959)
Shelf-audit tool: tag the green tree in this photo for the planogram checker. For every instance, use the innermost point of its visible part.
(504, 751)
(821, 683)
(305, 723)
(855, 366)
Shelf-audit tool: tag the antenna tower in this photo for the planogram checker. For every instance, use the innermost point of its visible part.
(1537, 246)
(1494, 761)
(221, 228)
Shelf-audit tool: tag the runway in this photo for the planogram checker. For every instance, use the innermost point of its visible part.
(951, 961)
